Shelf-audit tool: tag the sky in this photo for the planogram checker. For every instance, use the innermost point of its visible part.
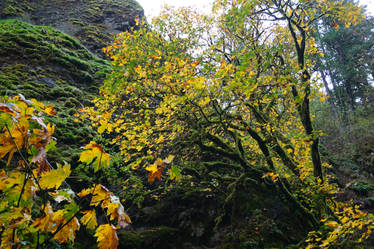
(153, 7)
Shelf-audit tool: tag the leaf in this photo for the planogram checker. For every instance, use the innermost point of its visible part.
(54, 178)
(107, 237)
(8, 108)
(99, 193)
(116, 211)
(332, 224)
(67, 233)
(45, 222)
(152, 168)
(13, 139)
(175, 173)
(169, 159)
(70, 210)
(63, 195)
(49, 110)
(89, 219)
(94, 153)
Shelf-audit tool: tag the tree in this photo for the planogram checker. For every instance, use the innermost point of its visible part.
(347, 64)
(230, 92)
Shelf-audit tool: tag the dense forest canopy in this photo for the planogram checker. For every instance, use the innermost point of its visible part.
(224, 104)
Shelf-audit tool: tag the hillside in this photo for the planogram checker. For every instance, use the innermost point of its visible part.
(93, 23)
(189, 132)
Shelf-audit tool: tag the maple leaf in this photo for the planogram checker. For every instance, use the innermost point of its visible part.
(95, 153)
(116, 211)
(175, 173)
(45, 222)
(54, 178)
(89, 219)
(99, 193)
(169, 159)
(68, 231)
(157, 175)
(152, 168)
(107, 237)
(50, 110)
(40, 141)
(9, 180)
(155, 169)
(13, 139)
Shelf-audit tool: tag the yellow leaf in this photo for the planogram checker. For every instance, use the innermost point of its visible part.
(112, 210)
(107, 237)
(169, 159)
(100, 194)
(345, 219)
(45, 222)
(85, 192)
(332, 224)
(116, 211)
(95, 153)
(68, 231)
(152, 168)
(89, 219)
(54, 178)
(49, 110)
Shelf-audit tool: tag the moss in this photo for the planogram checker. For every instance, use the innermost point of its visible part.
(93, 22)
(157, 237)
(43, 63)
(361, 188)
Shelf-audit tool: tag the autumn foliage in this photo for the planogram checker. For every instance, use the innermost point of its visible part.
(37, 203)
(225, 96)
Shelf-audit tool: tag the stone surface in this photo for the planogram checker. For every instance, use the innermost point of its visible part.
(93, 22)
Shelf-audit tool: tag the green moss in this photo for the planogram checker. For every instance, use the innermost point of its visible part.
(361, 188)
(157, 237)
(43, 63)
(93, 22)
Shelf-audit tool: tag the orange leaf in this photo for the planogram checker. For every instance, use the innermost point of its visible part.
(68, 231)
(50, 110)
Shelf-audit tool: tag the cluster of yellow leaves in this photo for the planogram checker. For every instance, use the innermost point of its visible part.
(16, 116)
(352, 224)
(56, 223)
(95, 154)
(155, 169)
(106, 233)
(272, 176)
(22, 181)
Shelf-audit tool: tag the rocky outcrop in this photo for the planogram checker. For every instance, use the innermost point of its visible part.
(48, 51)
(44, 63)
(93, 22)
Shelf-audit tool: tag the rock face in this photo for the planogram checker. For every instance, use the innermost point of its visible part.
(58, 62)
(38, 59)
(44, 63)
(93, 22)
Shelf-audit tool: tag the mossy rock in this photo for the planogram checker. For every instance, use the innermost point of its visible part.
(153, 238)
(362, 188)
(44, 63)
(94, 23)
